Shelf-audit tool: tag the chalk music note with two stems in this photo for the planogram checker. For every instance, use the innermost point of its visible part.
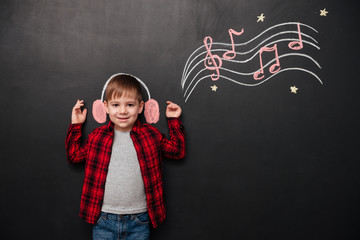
(272, 67)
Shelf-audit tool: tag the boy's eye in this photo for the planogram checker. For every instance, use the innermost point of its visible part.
(130, 105)
(115, 105)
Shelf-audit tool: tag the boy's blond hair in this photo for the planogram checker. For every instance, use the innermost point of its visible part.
(121, 84)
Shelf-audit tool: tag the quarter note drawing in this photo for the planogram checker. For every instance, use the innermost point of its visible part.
(237, 61)
(292, 45)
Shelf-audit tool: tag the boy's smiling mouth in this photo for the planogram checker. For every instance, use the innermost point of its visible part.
(123, 118)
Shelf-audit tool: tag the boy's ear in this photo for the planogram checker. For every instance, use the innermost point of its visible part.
(106, 107)
(141, 106)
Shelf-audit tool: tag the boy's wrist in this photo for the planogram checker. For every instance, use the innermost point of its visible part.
(175, 123)
(172, 119)
(76, 125)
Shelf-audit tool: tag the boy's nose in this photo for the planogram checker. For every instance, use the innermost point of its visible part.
(122, 109)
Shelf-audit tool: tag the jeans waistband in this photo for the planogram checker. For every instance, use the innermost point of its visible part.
(116, 217)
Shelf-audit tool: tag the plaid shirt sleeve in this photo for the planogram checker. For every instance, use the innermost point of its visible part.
(75, 150)
(174, 147)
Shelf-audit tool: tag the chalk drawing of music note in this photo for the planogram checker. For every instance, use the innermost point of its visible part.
(231, 32)
(272, 67)
(246, 52)
(299, 43)
(210, 59)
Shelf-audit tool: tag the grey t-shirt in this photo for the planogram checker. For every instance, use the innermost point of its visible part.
(124, 187)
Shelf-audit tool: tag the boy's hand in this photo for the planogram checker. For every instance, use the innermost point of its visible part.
(173, 110)
(77, 116)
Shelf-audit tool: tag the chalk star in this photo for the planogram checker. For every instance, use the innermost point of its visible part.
(213, 88)
(323, 12)
(261, 17)
(294, 89)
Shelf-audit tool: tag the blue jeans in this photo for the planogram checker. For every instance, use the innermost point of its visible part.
(113, 226)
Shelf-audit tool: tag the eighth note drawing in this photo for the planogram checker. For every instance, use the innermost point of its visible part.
(272, 67)
(231, 32)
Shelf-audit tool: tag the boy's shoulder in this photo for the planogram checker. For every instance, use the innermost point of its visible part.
(173, 123)
(145, 127)
(101, 129)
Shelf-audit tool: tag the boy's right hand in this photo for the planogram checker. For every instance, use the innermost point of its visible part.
(78, 116)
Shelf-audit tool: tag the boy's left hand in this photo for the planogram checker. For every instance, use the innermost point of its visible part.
(172, 110)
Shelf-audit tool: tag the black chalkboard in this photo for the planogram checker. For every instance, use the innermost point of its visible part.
(263, 162)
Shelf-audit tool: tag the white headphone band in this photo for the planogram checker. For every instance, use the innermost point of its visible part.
(117, 74)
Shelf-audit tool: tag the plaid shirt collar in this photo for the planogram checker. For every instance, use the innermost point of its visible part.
(136, 128)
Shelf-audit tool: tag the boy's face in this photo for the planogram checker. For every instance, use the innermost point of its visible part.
(124, 111)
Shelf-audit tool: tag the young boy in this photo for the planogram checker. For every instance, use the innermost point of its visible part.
(122, 189)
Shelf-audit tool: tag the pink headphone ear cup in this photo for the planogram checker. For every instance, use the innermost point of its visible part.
(99, 111)
(152, 112)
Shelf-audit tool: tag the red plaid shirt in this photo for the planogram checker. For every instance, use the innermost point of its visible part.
(150, 146)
